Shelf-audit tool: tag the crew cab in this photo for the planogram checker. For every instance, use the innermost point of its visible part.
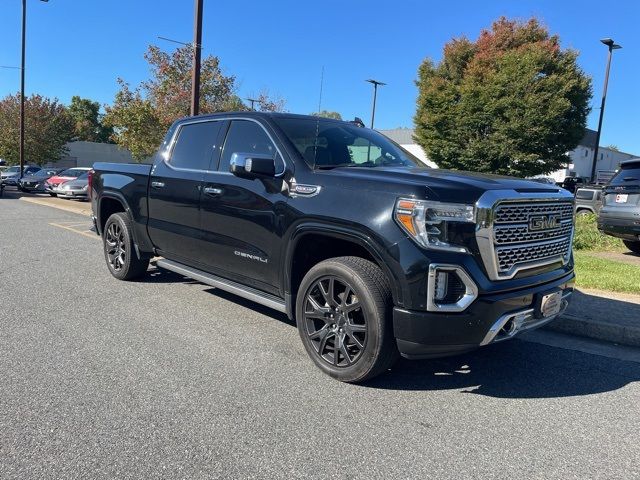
(372, 253)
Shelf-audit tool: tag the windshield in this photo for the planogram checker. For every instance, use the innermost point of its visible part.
(13, 169)
(329, 144)
(71, 172)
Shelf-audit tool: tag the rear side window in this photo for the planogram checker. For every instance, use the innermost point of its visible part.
(247, 137)
(584, 195)
(195, 145)
(627, 176)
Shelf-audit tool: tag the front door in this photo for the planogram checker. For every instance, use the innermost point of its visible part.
(174, 191)
(240, 216)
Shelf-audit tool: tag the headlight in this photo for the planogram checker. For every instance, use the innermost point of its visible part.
(428, 222)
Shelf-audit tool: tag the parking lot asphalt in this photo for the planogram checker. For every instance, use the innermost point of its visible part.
(169, 378)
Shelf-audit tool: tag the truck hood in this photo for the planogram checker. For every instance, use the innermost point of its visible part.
(445, 185)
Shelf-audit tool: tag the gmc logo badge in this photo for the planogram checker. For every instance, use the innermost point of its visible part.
(543, 222)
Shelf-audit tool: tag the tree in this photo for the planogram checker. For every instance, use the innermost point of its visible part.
(327, 114)
(512, 102)
(613, 147)
(269, 103)
(48, 127)
(87, 121)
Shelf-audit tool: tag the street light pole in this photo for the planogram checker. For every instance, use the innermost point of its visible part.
(253, 101)
(375, 84)
(197, 48)
(612, 46)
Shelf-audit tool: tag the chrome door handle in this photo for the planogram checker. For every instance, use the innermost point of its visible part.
(213, 191)
(157, 184)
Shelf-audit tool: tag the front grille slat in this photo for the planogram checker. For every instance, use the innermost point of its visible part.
(516, 243)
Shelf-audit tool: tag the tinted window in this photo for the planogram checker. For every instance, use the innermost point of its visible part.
(194, 145)
(627, 176)
(247, 137)
(584, 194)
(327, 144)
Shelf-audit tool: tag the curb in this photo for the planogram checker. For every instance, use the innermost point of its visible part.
(610, 332)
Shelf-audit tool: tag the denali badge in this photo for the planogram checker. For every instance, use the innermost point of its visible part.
(250, 257)
(543, 222)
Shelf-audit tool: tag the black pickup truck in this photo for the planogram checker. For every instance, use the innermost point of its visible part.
(372, 253)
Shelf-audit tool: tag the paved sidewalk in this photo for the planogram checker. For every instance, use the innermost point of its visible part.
(609, 316)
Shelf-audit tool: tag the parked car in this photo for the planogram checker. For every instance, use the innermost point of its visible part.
(620, 212)
(573, 183)
(372, 253)
(11, 175)
(64, 176)
(588, 200)
(77, 188)
(35, 182)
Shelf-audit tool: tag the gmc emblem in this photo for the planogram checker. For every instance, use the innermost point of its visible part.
(543, 222)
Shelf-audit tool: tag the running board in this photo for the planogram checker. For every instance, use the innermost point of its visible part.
(249, 293)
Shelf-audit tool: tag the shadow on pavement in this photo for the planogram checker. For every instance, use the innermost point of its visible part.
(513, 369)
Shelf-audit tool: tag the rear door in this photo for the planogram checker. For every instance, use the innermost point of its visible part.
(240, 216)
(175, 184)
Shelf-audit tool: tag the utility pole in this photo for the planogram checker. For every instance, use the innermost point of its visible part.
(612, 46)
(24, 25)
(253, 101)
(375, 84)
(197, 49)
(22, 61)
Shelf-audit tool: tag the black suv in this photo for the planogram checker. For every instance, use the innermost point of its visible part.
(372, 253)
(620, 212)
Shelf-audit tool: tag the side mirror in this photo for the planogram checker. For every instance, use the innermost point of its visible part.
(252, 165)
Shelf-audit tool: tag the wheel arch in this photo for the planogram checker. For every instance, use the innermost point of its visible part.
(305, 249)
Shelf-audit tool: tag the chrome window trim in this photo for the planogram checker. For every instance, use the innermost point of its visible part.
(470, 294)
(485, 214)
(168, 152)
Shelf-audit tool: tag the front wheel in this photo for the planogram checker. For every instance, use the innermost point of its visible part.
(53, 194)
(633, 246)
(119, 249)
(343, 313)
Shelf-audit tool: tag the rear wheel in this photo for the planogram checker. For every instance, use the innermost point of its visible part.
(53, 194)
(633, 246)
(343, 313)
(583, 212)
(119, 250)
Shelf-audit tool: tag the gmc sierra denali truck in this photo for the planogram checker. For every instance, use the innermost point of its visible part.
(371, 253)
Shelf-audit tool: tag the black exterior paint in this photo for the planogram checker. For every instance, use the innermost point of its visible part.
(261, 218)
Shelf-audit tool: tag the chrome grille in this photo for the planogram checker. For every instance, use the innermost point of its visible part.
(515, 212)
(516, 243)
(507, 234)
(510, 256)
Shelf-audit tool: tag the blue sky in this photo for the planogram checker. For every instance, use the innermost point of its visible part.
(80, 47)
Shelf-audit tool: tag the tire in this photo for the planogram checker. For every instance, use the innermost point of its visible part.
(343, 313)
(583, 212)
(53, 194)
(119, 250)
(633, 246)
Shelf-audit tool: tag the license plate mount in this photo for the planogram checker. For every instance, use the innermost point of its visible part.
(549, 304)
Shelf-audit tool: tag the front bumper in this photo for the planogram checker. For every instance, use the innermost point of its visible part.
(70, 193)
(489, 319)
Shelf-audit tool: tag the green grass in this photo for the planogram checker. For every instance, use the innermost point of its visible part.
(604, 274)
(588, 238)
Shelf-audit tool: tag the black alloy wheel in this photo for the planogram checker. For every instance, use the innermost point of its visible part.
(115, 246)
(335, 322)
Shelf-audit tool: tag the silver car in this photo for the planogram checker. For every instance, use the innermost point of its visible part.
(78, 188)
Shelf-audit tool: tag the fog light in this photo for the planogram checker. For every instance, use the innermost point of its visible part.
(449, 289)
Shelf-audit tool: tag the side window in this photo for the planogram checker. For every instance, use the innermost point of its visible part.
(195, 145)
(245, 136)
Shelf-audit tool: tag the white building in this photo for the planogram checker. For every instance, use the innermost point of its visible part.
(578, 164)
